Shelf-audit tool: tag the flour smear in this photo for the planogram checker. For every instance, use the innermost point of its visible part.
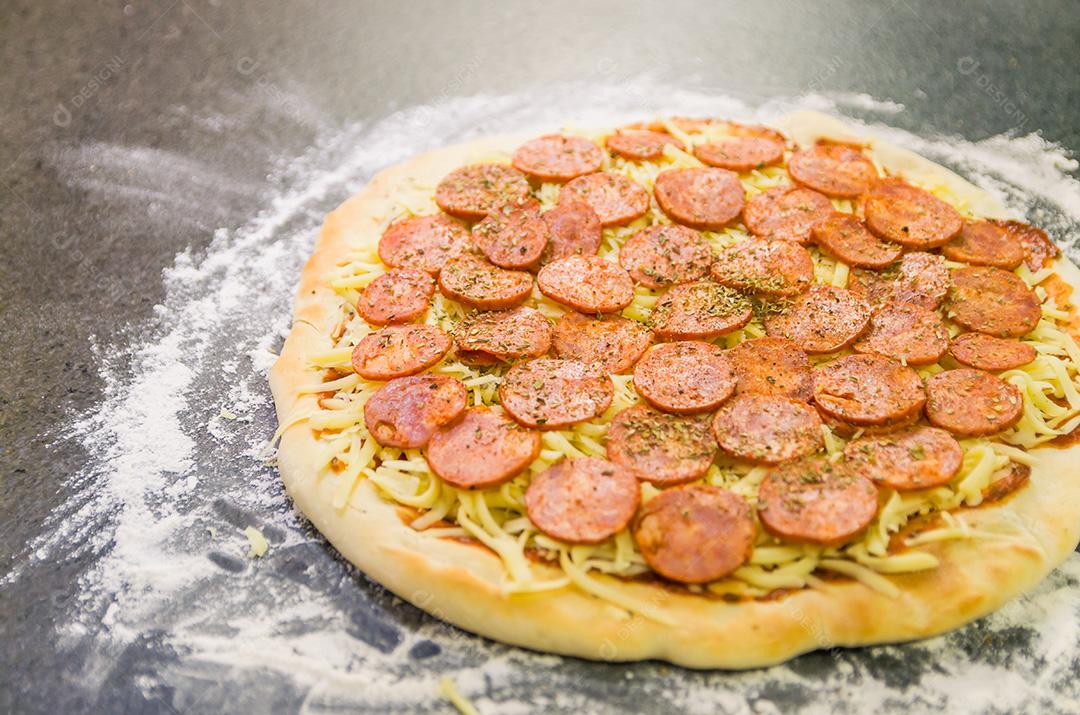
(176, 476)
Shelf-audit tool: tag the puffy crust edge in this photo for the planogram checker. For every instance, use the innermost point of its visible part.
(459, 582)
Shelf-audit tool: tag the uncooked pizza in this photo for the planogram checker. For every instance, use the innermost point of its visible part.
(690, 389)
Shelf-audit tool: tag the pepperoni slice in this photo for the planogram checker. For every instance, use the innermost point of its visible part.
(822, 320)
(582, 501)
(641, 144)
(474, 191)
(513, 235)
(786, 213)
(573, 228)
(772, 366)
(993, 301)
(613, 342)
(905, 332)
(770, 268)
(755, 148)
(705, 199)
(920, 279)
(483, 449)
(665, 254)
(586, 283)
(1039, 250)
(972, 403)
(815, 501)
(848, 430)
(767, 429)
(982, 243)
(868, 390)
(685, 377)
(548, 394)
(616, 199)
(660, 448)
(1001, 487)
(695, 534)
(845, 237)
(423, 242)
(475, 282)
(398, 351)
(397, 296)
(833, 169)
(918, 458)
(700, 310)
(405, 412)
(558, 158)
(507, 335)
(985, 352)
(910, 216)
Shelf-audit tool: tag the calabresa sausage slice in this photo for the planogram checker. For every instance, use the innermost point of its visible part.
(1039, 250)
(513, 236)
(641, 144)
(1002, 486)
(397, 296)
(665, 254)
(748, 147)
(558, 158)
(868, 390)
(483, 449)
(582, 501)
(767, 429)
(848, 430)
(475, 282)
(905, 332)
(616, 199)
(660, 448)
(685, 377)
(846, 237)
(399, 351)
(972, 403)
(705, 199)
(695, 534)
(993, 301)
(573, 228)
(586, 283)
(920, 279)
(769, 268)
(506, 335)
(423, 242)
(822, 320)
(910, 216)
(700, 310)
(474, 191)
(613, 342)
(406, 411)
(772, 366)
(815, 501)
(918, 458)
(985, 352)
(786, 213)
(982, 243)
(833, 169)
(548, 394)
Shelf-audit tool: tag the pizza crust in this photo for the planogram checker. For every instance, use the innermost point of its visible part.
(460, 582)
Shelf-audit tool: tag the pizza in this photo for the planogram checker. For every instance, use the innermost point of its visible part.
(689, 389)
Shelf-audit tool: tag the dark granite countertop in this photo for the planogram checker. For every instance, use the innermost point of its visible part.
(132, 132)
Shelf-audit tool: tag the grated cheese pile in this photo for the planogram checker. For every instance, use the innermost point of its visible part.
(496, 517)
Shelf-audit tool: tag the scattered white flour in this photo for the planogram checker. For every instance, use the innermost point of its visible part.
(175, 479)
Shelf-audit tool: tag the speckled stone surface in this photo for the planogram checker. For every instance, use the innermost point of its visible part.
(216, 97)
